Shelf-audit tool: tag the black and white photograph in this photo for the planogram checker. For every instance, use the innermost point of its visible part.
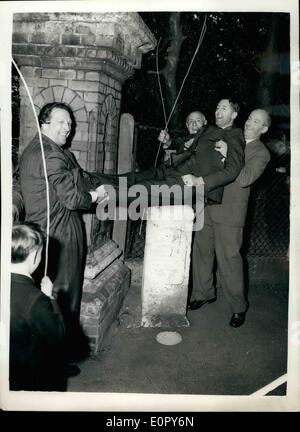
(149, 195)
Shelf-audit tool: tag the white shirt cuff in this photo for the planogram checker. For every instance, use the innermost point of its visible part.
(94, 196)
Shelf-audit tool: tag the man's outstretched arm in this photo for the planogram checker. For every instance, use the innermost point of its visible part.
(234, 163)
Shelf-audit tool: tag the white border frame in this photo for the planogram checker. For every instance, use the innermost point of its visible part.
(38, 401)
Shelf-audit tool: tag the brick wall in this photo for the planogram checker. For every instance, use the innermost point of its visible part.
(82, 63)
(94, 147)
(81, 59)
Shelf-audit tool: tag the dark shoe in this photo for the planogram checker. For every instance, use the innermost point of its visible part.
(72, 370)
(237, 319)
(196, 304)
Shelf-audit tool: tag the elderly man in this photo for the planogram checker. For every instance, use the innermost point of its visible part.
(195, 121)
(222, 234)
(67, 195)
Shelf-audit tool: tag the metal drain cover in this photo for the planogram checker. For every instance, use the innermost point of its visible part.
(168, 338)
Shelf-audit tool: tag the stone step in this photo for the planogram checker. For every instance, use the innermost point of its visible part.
(100, 259)
(95, 285)
(101, 302)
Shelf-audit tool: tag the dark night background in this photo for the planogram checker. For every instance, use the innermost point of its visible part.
(243, 55)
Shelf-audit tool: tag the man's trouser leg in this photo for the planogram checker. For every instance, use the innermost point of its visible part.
(228, 241)
(203, 255)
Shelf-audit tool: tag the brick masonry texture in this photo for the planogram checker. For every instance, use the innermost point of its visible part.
(99, 309)
(84, 85)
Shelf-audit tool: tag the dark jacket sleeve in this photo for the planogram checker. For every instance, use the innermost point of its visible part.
(234, 162)
(177, 144)
(47, 320)
(18, 203)
(66, 182)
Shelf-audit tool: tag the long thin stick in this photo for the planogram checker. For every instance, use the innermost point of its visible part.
(159, 83)
(162, 100)
(44, 166)
(142, 219)
(203, 31)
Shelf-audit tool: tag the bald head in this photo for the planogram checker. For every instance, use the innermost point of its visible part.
(258, 123)
(194, 121)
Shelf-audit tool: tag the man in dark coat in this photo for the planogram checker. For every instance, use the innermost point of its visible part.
(37, 327)
(67, 197)
(17, 202)
(222, 234)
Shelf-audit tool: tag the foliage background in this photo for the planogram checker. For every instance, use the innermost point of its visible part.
(243, 55)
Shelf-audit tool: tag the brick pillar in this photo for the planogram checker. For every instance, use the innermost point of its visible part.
(81, 59)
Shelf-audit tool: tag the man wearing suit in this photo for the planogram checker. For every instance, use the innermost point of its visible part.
(199, 165)
(222, 234)
(194, 122)
(37, 328)
(67, 198)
